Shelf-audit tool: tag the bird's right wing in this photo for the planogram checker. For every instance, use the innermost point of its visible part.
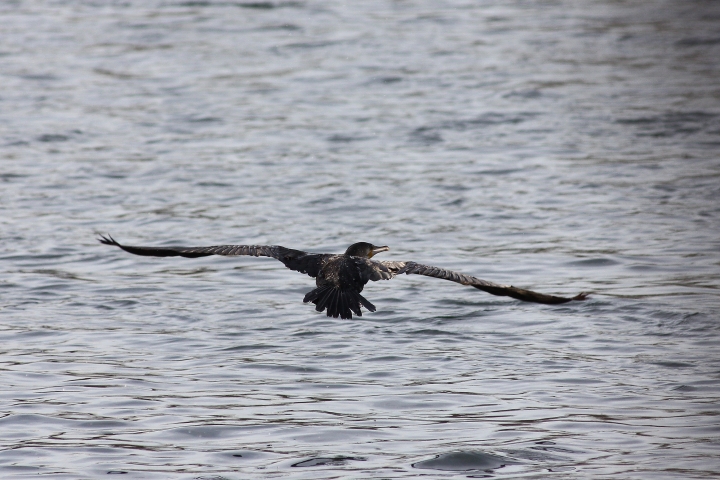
(303, 262)
(493, 288)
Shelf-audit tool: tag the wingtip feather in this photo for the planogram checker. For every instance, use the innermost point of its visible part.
(107, 240)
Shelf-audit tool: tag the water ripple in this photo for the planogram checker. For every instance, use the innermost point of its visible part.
(549, 146)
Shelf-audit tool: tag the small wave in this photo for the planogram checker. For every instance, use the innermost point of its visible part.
(464, 461)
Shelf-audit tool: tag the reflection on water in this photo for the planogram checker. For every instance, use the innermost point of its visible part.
(556, 146)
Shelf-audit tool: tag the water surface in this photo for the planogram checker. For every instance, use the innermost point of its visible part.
(559, 146)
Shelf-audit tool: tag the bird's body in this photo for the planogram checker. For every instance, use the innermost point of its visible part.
(341, 277)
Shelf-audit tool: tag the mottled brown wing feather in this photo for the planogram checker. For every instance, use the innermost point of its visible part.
(372, 270)
(303, 262)
(489, 287)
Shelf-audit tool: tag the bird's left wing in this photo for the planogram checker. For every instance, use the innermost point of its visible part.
(408, 268)
(303, 262)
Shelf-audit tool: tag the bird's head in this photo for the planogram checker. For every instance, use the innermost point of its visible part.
(364, 249)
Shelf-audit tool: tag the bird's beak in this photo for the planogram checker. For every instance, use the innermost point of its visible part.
(377, 250)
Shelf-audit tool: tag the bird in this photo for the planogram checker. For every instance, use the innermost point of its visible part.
(340, 278)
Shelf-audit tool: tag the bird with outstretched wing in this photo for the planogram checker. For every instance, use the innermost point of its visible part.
(341, 277)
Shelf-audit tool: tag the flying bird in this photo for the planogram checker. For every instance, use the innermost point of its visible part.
(341, 277)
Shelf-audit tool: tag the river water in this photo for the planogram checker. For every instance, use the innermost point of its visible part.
(562, 146)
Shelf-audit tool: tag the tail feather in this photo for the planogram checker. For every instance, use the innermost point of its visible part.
(347, 303)
(313, 295)
(338, 302)
(319, 297)
(332, 304)
(323, 300)
(353, 303)
(366, 303)
(340, 307)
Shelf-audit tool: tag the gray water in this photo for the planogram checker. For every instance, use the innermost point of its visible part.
(562, 146)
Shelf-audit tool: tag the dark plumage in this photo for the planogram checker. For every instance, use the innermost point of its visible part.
(341, 278)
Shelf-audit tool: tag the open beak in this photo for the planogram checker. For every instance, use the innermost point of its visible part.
(377, 250)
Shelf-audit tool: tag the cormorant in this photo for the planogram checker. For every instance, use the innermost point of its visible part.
(341, 278)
